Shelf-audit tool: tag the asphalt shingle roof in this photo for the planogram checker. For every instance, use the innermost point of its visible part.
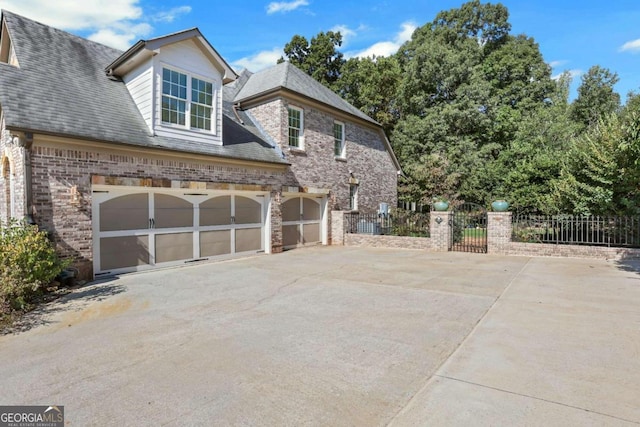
(288, 76)
(61, 88)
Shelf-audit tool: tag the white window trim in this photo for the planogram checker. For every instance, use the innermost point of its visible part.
(343, 143)
(300, 146)
(187, 120)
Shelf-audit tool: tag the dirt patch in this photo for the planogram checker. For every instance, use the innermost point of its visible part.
(96, 311)
(67, 302)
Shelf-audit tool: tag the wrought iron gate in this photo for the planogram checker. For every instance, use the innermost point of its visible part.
(469, 229)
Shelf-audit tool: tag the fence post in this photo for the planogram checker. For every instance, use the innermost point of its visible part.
(338, 227)
(499, 230)
(440, 225)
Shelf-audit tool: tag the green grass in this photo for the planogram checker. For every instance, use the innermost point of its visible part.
(475, 232)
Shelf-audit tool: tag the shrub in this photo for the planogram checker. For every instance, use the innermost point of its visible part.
(28, 262)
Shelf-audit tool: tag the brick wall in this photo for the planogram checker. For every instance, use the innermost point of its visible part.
(440, 230)
(316, 165)
(11, 165)
(62, 177)
(337, 228)
(569, 251)
(377, 241)
(498, 232)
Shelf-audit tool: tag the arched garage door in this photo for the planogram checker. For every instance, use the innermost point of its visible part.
(302, 221)
(138, 230)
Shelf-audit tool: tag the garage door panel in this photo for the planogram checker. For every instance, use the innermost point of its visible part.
(215, 211)
(124, 252)
(213, 243)
(310, 210)
(290, 235)
(177, 227)
(291, 210)
(172, 212)
(174, 247)
(130, 212)
(248, 239)
(247, 211)
(311, 233)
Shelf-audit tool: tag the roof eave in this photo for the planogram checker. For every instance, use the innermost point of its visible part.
(257, 98)
(141, 147)
(128, 54)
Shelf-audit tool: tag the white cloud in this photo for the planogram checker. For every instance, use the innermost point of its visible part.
(283, 6)
(259, 61)
(346, 32)
(76, 15)
(407, 31)
(632, 46)
(116, 23)
(121, 36)
(554, 64)
(171, 15)
(572, 73)
(389, 47)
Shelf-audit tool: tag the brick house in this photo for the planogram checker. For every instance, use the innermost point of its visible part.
(163, 155)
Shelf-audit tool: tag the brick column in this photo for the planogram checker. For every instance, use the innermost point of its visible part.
(337, 228)
(498, 232)
(440, 230)
(276, 222)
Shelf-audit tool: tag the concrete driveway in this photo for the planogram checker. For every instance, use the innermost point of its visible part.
(341, 336)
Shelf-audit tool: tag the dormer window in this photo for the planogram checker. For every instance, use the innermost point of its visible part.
(186, 101)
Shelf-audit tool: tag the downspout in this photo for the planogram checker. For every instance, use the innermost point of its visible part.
(235, 111)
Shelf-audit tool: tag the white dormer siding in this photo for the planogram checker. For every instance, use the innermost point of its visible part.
(139, 83)
(187, 58)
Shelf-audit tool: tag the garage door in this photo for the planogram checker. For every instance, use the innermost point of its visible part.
(137, 230)
(301, 221)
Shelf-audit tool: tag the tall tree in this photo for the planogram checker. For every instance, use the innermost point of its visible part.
(487, 23)
(602, 169)
(319, 57)
(597, 97)
(371, 84)
(467, 87)
(525, 171)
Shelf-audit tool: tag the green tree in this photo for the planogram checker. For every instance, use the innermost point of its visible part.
(596, 96)
(319, 57)
(487, 23)
(525, 171)
(467, 88)
(371, 84)
(602, 169)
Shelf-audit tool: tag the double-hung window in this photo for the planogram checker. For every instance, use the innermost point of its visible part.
(201, 104)
(174, 97)
(338, 138)
(296, 129)
(186, 101)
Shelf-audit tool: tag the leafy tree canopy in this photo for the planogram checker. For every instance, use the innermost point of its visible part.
(319, 57)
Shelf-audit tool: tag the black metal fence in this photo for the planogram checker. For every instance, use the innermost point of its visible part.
(577, 230)
(396, 223)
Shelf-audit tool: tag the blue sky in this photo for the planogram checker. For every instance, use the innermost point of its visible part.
(573, 35)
